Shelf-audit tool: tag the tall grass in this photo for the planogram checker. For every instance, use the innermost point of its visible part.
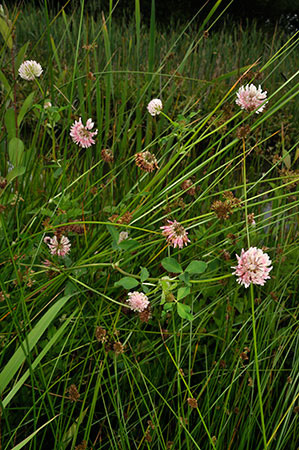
(237, 357)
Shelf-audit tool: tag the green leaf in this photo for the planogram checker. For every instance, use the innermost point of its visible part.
(19, 356)
(184, 311)
(10, 123)
(127, 282)
(128, 244)
(6, 85)
(168, 306)
(6, 33)
(171, 265)
(15, 151)
(16, 172)
(20, 55)
(113, 231)
(27, 103)
(73, 430)
(144, 274)
(196, 267)
(31, 436)
(48, 347)
(185, 278)
(183, 292)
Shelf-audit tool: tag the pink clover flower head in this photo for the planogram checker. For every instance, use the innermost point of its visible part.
(251, 98)
(29, 70)
(137, 301)
(155, 106)
(61, 248)
(253, 267)
(175, 234)
(82, 135)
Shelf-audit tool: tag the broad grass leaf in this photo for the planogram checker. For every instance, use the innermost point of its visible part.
(6, 33)
(27, 103)
(28, 344)
(129, 244)
(48, 347)
(15, 151)
(15, 172)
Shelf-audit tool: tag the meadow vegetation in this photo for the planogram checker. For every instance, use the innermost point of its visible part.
(195, 360)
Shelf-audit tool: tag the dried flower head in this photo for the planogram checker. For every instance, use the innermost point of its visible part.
(192, 402)
(118, 348)
(250, 219)
(107, 155)
(29, 70)
(253, 267)
(101, 334)
(73, 393)
(125, 219)
(175, 234)
(60, 248)
(187, 186)
(3, 182)
(251, 98)
(243, 132)
(82, 446)
(224, 209)
(145, 315)
(146, 161)
(82, 135)
(137, 301)
(155, 107)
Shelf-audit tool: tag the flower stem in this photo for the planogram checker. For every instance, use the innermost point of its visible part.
(257, 368)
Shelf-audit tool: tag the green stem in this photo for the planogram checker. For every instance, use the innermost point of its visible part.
(173, 280)
(245, 193)
(257, 368)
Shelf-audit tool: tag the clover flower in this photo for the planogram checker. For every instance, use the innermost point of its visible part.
(60, 248)
(251, 98)
(175, 234)
(155, 106)
(123, 235)
(146, 161)
(29, 70)
(81, 134)
(253, 267)
(137, 301)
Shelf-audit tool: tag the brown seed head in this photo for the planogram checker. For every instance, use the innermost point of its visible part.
(146, 161)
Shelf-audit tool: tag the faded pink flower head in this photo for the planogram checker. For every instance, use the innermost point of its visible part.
(253, 267)
(137, 301)
(61, 248)
(29, 70)
(250, 98)
(175, 234)
(81, 134)
(155, 106)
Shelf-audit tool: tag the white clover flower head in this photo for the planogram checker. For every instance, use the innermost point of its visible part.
(47, 104)
(155, 106)
(251, 98)
(123, 235)
(137, 301)
(29, 70)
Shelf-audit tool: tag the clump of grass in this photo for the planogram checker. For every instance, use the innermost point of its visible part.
(209, 363)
